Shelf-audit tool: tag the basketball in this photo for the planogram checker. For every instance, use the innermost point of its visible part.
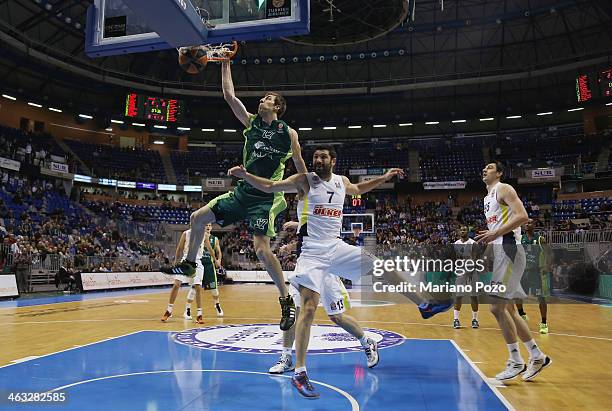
(192, 60)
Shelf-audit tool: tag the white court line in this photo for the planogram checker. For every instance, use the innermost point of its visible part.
(94, 298)
(273, 319)
(352, 401)
(75, 347)
(24, 359)
(484, 377)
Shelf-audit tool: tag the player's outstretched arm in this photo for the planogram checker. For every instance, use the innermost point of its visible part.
(362, 188)
(296, 181)
(296, 151)
(235, 104)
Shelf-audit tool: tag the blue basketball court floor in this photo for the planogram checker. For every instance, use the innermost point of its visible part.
(224, 368)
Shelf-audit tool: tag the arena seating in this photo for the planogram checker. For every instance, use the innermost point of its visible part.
(115, 162)
(455, 160)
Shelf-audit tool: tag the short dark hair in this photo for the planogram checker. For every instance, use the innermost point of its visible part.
(279, 100)
(329, 148)
(499, 166)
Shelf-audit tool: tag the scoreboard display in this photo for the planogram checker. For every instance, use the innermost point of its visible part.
(142, 107)
(594, 85)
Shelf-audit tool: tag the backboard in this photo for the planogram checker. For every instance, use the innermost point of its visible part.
(364, 221)
(132, 26)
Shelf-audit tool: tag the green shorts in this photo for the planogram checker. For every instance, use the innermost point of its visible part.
(536, 282)
(209, 280)
(259, 209)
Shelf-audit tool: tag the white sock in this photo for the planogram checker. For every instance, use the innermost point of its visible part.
(287, 351)
(170, 308)
(515, 353)
(299, 370)
(191, 294)
(364, 341)
(199, 311)
(456, 314)
(474, 315)
(534, 350)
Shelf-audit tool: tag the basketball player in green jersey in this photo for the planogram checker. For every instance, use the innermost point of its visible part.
(536, 273)
(211, 261)
(269, 142)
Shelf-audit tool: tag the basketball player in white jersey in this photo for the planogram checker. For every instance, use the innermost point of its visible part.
(464, 248)
(334, 293)
(505, 214)
(195, 282)
(322, 251)
(210, 264)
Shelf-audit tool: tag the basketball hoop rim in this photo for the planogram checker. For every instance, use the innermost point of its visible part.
(212, 49)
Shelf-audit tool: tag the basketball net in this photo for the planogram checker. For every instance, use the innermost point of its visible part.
(214, 52)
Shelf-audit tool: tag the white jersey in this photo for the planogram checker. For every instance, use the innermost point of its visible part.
(320, 212)
(497, 215)
(464, 249)
(186, 247)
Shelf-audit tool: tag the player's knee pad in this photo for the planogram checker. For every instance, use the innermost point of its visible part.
(214, 292)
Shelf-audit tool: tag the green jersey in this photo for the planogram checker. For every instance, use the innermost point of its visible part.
(213, 243)
(534, 252)
(266, 148)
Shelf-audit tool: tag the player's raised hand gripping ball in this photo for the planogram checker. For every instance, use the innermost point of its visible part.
(237, 171)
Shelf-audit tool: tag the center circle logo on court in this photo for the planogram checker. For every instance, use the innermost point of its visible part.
(268, 338)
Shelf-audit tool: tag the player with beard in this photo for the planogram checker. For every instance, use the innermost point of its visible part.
(324, 256)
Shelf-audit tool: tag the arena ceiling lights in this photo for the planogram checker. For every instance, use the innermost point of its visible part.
(9, 97)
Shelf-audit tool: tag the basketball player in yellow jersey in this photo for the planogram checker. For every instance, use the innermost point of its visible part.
(505, 214)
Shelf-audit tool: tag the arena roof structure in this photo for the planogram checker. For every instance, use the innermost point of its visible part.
(471, 58)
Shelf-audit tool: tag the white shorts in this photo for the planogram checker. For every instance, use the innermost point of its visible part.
(334, 297)
(469, 278)
(320, 261)
(508, 267)
(197, 279)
